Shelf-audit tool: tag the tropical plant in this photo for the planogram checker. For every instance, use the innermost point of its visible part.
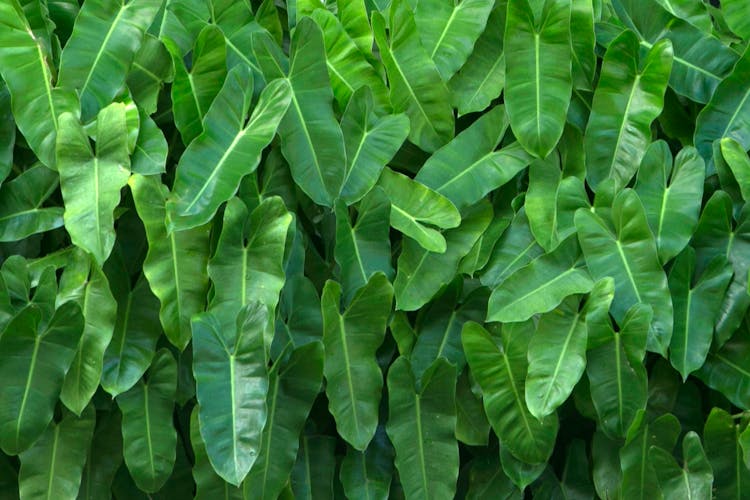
(369, 249)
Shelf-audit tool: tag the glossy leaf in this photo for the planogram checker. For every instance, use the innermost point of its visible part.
(720, 433)
(208, 482)
(21, 210)
(694, 480)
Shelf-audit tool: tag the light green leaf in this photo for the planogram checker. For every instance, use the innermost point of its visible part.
(194, 90)
(415, 83)
(152, 67)
(696, 306)
(52, 468)
(354, 17)
(28, 73)
(413, 204)
(557, 358)
(629, 96)
(176, 262)
(421, 273)
(208, 484)
(91, 183)
(347, 66)
(104, 42)
(727, 114)
(231, 382)
(354, 380)
(626, 251)
(449, 30)
(499, 365)
(363, 248)
(149, 438)
(482, 77)
(691, 11)
(151, 148)
(231, 144)
(694, 480)
(35, 353)
(311, 139)
(538, 79)
(583, 43)
(736, 17)
(371, 140)
(671, 196)
(739, 164)
(293, 385)
(21, 210)
(541, 285)
(421, 425)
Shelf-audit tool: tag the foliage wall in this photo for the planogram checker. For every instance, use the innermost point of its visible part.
(373, 249)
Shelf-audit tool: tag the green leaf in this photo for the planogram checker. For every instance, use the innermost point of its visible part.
(21, 210)
(538, 79)
(151, 148)
(421, 425)
(133, 343)
(626, 251)
(368, 474)
(231, 143)
(486, 478)
(557, 358)
(176, 262)
(617, 377)
(576, 481)
(313, 473)
(416, 87)
(736, 159)
(691, 11)
(541, 285)
(583, 43)
(293, 385)
(231, 385)
(99, 312)
(727, 114)
(354, 381)
(354, 17)
(52, 468)
(371, 140)
(731, 478)
(629, 96)
(422, 273)
(671, 196)
(700, 60)
(28, 73)
(499, 365)
(413, 204)
(736, 17)
(520, 473)
(35, 353)
(694, 480)
(311, 139)
(448, 31)
(482, 78)
(90, 183)
(364, 248)
(727, 369)
(696, 306)
(104, 42)
(194, 90)
(208, 483)
(347, 67)
(149, 438)
(472, 426)
(152, 67)
(248, 263)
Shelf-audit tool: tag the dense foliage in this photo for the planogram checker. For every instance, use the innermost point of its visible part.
(373, 249)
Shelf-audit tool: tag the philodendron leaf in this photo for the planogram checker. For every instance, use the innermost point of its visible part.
(55, 463)
(694, 480)
(105, 39)
(421, 425)
(149, 438)
(416, 86)
(625, 249)
(175, 265)
(671, 196)
(368, 474)
(538, 77)
(499, 366)
(630, 95)
(231, 380)
(35, 354)
(208, 483)
(541, 285)
(720, 437)
(354, 381)
(231, 144)
(21, 210)
(293, 385)
(311, 139)
(727, 369)
(413, 205)
(91, 183)
(734, 155)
